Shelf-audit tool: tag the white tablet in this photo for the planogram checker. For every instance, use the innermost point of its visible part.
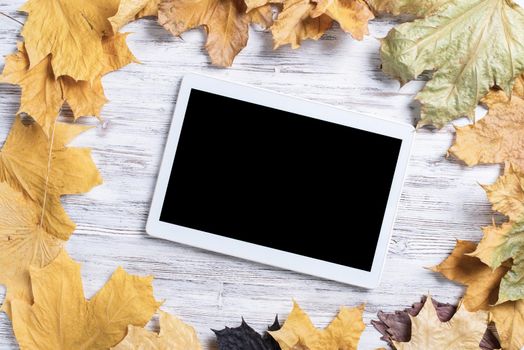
(280, 180)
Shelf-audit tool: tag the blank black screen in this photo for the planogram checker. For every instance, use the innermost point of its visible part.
(280, 180)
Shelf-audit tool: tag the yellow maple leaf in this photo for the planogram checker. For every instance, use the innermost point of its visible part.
(343, 333)
(498, 137)
(483, 282)
(309, 19)
(71, 31)
(509, 320)
(225, 22)
(130, 10)
(62, 319)
(43, 94)
(464, 331)
(23, 243)
(174, 335)
(507, 193)
(44, 169)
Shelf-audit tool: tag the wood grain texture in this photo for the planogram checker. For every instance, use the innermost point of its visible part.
(441, 201)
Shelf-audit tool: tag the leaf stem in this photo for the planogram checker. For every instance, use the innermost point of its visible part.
(51, 142)
(11, 18)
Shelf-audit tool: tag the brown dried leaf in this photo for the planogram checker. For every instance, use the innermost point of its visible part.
(483, 282)
(225, 22)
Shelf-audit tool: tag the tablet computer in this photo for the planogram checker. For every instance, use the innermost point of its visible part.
(280, 180)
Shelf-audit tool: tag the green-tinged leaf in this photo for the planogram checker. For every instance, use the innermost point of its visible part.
(471, 46)
(499, 244)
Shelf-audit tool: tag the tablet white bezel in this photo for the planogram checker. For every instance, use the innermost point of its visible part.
(266, 255)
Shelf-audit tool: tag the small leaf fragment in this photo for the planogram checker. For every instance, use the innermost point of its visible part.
(130, 10)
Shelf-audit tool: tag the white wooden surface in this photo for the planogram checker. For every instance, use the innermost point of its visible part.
(441, 201)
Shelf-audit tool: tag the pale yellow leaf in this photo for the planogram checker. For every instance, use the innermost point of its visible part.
(174, 335)
(507, 193)
(497, 138)
(44, 173)
(419, 8)
(464, 331)
(23, 243)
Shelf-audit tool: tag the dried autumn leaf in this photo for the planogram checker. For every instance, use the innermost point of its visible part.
(43, 171)
(419, 8)
(507, 193)
(43, 94)
(62, 319)
(244, 337)
(343, 333)
(396, 326)
(464, 330)
(174, 335)
(305, 19)
(482, 281)
(497, 138)
(471, 46)
(295, 23)
(71, 32)
(225, 22)
(499, 244)
(509, 319)
(352, 15)
(130, 10)
(23, 243)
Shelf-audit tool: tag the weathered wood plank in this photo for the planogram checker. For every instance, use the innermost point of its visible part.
(441, 200)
